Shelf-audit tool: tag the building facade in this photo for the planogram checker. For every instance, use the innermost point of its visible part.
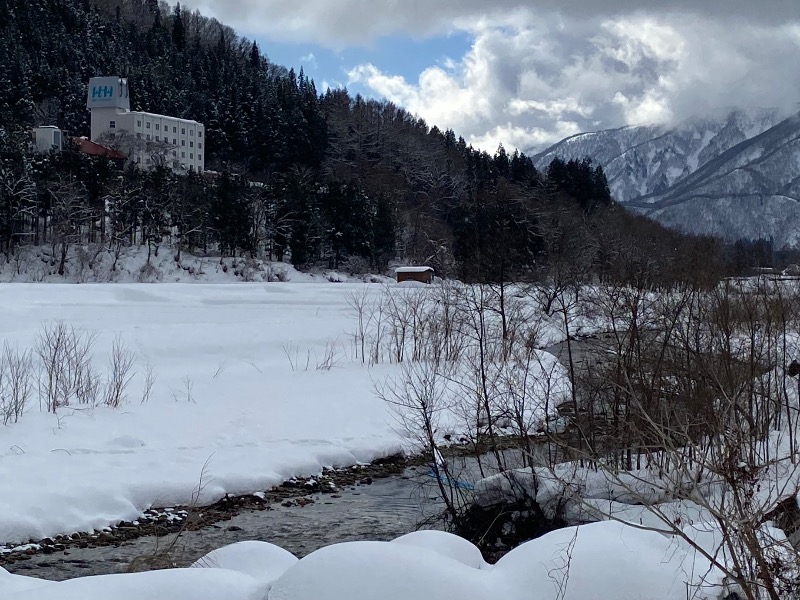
(147, 139)
(422, 274)
(47, 138)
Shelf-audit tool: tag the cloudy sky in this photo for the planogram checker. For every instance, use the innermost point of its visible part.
(530, 73)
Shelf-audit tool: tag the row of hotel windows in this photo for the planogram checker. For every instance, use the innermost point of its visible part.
(113, 125)
(166, 139)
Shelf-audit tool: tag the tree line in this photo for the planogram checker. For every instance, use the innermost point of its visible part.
(318, 179)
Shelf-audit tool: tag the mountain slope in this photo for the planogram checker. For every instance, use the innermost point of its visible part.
(751, 190)
(735, 175)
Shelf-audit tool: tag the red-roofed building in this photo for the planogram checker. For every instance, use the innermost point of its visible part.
(94, 149)
(89, 147)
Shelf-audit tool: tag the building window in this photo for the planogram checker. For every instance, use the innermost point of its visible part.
(199, 169)
(156, 138)
(174, 142)
(199, 157)
(157, 126)
(112, 124)
(174, 153)
(174, 130)
(200, 145)
(147, 124)
(138, 123)
(191, 132)
(183, 142)
(191, 144)
(148, 136)
(183, 154)
(139, 135)
(199, 134)
(191, 155)
(183, 130)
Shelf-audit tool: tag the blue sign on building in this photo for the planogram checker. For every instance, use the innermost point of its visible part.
(103, 91)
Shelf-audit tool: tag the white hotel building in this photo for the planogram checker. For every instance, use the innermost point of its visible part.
(145, 138)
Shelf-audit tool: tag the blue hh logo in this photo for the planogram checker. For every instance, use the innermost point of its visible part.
(103, 91)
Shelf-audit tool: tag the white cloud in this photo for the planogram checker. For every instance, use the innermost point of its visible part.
(532, 84)
(535, 74)
(309, 60)
(347, 22)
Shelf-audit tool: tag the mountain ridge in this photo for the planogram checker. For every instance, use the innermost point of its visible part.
(731, 174)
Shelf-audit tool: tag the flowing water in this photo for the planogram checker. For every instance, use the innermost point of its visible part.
(386, 509)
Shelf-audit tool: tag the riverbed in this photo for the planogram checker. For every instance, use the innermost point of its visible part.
(385, 509)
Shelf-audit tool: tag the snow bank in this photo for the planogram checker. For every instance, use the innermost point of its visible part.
(446, 544)
(16, 583)
(370, 570)
(593, 562)
(174, 584)
(261, 560)
(608, 560)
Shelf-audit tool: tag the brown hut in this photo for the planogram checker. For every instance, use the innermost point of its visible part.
(421, 274)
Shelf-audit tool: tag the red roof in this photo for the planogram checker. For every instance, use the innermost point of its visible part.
(89, 147)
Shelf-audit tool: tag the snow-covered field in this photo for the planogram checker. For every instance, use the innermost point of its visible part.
(593, 562)
(254, 384)
(237, 387)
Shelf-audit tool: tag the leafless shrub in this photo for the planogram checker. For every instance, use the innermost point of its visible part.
(15, 382)
(184, 394)
(149, 382)
(418, 397)
(360, 305)
(292, 352)
(693, 403)
(66, 371)
(149, 273)
(120, 373)
(330, 356)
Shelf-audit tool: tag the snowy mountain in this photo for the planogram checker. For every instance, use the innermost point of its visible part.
(734, 174)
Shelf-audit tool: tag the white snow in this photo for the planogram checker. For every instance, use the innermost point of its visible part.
(261, 560)
(16, 583)
(238, 390)
(412, 269)
(174, 584)
(592, 562)
(255, 384)
(445, 544)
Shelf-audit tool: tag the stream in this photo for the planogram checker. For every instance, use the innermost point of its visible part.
(383, 510)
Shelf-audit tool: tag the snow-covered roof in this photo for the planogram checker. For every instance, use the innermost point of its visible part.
(412, 269)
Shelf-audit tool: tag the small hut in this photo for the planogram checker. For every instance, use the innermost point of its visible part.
(422, 274)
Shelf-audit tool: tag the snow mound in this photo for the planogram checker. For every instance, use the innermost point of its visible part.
(173, 584)
(261, 560)
(17, 583)
(446, 544)
(370, 570)
(601, 561)
(607, 560)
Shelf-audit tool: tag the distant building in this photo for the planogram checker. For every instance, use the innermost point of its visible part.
(47, 138)
(421, 274)
(147, 139)
(94, 149)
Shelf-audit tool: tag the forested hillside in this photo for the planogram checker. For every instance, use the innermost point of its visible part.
(319, 179)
